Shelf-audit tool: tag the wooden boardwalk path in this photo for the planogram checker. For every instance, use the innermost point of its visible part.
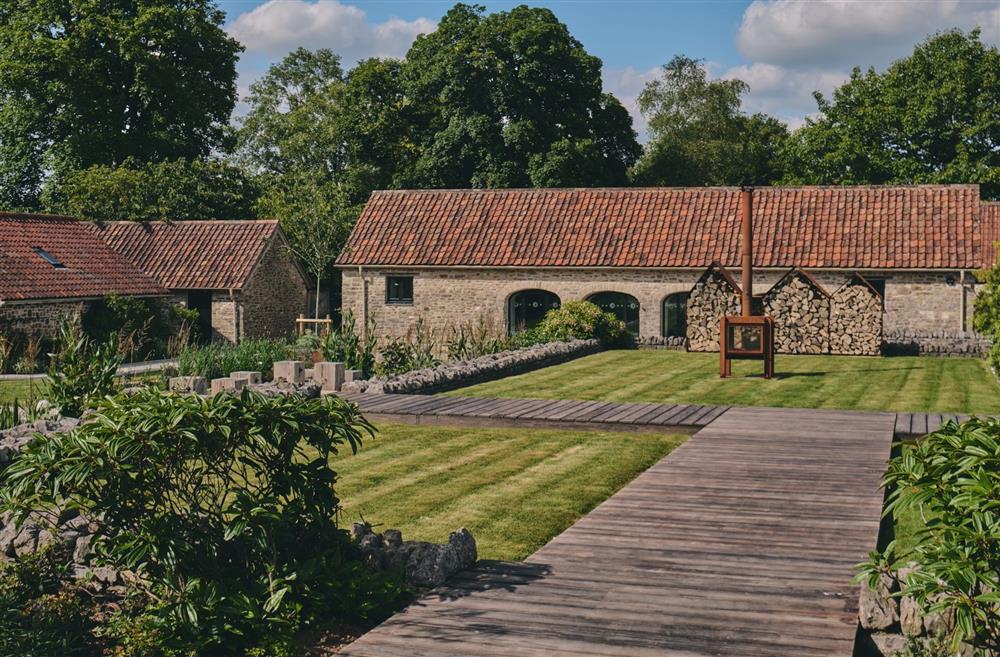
(739, 543)
(553, 413)
(569, 414)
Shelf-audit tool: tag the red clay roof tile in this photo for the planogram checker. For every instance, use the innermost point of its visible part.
(918, 227)
(192, 255)
(91, 268)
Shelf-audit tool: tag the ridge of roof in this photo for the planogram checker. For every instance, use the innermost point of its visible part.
(499, 190)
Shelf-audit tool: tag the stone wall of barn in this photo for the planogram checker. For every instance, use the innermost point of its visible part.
(274, 296)
(712, 297)
(801, 313)
(39, 318)
(929, 303)
(446, 297)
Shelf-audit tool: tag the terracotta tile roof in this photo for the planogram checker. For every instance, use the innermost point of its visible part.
(990, 216)
(933, 226)
(192, 255)
(91, 269)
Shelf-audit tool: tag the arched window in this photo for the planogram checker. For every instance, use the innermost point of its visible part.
(675, 315)
(623, 306)
(527, 307)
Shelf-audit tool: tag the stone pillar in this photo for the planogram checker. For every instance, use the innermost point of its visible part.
(329, 375)
(196, 384)
(292, 371)
(227, 384)
(245, 375)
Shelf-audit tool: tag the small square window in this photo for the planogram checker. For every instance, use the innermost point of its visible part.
(399, 289)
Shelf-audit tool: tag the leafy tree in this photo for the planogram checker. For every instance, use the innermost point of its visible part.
(700, 136)
(85, 82)
(292, 122)
(82, 371)
(505, 99)
(161, 191)
(315, 217)
(932, 117)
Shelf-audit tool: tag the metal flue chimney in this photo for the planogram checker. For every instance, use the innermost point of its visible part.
(746, 246)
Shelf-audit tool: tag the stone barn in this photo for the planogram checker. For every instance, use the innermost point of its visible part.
(53, 268)
(239, 275)
(450, 256)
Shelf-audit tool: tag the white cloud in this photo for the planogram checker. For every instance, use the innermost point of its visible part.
(786, 93)
(279, 26)
(796, 47)
(847, 33)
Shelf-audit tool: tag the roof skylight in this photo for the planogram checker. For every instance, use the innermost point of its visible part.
(48, 257)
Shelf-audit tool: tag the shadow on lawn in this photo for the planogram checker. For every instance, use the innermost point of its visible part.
(779, 376)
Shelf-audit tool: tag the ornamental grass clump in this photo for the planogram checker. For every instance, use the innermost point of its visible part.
(223, 508)
(221, 359)
(952, 479)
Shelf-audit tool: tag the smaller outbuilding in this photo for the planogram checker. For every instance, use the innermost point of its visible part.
(239, 275)
(53, 268)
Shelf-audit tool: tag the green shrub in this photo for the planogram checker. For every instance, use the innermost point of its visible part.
(224, 506)
(220, 359)
(82, 371)
(41, 613)
(584, 321)
(952, 478)
(344, 345)
(416, 352)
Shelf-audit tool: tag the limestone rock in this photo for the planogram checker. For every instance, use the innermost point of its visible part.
(877, 609)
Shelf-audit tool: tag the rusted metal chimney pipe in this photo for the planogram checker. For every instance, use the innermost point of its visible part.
(746, 211)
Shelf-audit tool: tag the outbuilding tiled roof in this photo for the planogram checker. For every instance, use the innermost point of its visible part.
(192, 255)
(915, 227)
(990, 217)
(89, 267)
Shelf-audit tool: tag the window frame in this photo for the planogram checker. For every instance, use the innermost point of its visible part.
(389, 301)
(663, 314)
(48, 257)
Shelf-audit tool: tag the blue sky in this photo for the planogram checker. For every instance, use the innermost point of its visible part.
(785, 49)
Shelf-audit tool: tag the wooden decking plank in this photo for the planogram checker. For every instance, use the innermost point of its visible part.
(568, 412)
(742, 543)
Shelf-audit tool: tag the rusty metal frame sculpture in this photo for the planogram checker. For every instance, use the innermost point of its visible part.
(746, 336)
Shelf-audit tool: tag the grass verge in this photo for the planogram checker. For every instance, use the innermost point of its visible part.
(514, 489)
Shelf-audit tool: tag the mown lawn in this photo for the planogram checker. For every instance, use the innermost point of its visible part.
(949, 385)
(22, 390)
(514, 489)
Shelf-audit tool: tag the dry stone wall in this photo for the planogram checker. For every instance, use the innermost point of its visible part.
(856, 319)
(458, 374)
(712, 297)
(801, 312)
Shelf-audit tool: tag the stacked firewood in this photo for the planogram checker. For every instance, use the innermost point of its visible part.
(711, 298)
(856, 320)
(801, 312)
